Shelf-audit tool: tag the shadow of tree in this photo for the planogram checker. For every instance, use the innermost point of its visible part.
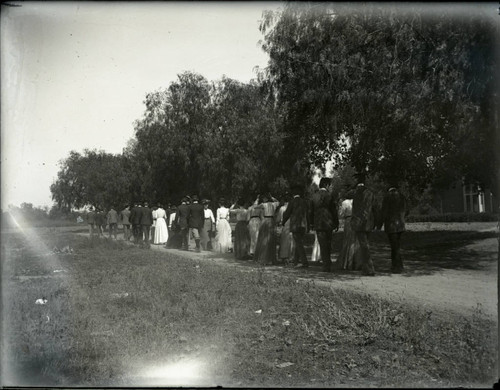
(424, 253)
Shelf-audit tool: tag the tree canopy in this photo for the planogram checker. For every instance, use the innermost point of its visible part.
(95, 178)
(414, 94)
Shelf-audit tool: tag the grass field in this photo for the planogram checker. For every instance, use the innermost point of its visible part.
(123, 316)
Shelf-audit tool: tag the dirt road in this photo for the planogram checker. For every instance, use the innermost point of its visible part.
(443, 291)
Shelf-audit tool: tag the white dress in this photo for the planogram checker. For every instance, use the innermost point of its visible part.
(223, 237)
(161, 231)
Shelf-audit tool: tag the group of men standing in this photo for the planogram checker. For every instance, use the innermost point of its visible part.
(321, 215)
(190, 219)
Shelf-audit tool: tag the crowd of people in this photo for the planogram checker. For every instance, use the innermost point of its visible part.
(267, 230)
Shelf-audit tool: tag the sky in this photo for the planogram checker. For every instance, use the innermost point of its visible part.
(74, 75)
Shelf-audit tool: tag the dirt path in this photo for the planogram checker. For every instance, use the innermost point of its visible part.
(444, 291)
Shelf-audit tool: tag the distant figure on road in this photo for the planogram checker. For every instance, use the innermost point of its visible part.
(265, 249)
(100, 221)
(349, 242)
(161, 230)
(208, 227)
(255, 219)
(125, 221)
(287, 244)
(241, 233)
(394, 211)
(325, 219)
(181, 220)
(223, 236)
(112, 221)
(146, 222)
(362, 223)
(91, 221)
(296, 214)
(135, 220)
(196, 221)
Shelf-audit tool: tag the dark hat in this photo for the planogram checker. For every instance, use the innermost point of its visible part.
(194, 198)
(205, 201)
(324, 182)
(183, 200)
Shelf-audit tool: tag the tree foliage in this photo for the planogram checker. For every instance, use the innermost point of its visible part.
(214, 139)
(94, 178)
(414, 94)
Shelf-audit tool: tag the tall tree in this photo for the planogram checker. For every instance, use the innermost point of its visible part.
(414, 94)
(216, 139)
(94, 178)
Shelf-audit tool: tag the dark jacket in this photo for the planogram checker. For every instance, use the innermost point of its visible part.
(324, 214)
(100, 218)
(91, 217)
(394, 211)
(182, 215)
(196, 217)
(135, 215)
(297, 211)
(146, 216)
(363, 218)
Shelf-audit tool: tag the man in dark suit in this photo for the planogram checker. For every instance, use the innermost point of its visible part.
(181, 220)
(196, 220)
(324, 218)
(362, 223)
(297, 211)
(135, 220)
(394, 211)
(146, 222)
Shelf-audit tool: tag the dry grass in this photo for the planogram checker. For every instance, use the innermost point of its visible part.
(115, 310)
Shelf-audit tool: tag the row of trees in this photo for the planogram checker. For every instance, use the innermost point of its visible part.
(398, 95)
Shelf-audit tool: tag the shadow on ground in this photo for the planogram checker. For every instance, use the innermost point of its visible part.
(424, 253)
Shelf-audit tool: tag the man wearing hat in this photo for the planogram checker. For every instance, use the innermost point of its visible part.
(181, 220)
(146, 222)
(394, 211)
(324, 218)
(196, 220)
(362, 223)
(135, 220)
(297, 212)
(208, 224)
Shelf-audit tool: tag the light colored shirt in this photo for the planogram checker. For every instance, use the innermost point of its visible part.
(209, 214)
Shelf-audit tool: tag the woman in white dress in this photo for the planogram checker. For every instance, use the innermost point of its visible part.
(161, 230)
(223, 238)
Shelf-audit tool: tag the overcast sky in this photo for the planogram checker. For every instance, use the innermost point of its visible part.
(74, 75)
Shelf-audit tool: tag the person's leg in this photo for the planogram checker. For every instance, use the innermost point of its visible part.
(299, 242)
(325, 242)
(146, 229)
(185, 238)
(196, 236)
(300, 252)
(363, 254)
(396, 262)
